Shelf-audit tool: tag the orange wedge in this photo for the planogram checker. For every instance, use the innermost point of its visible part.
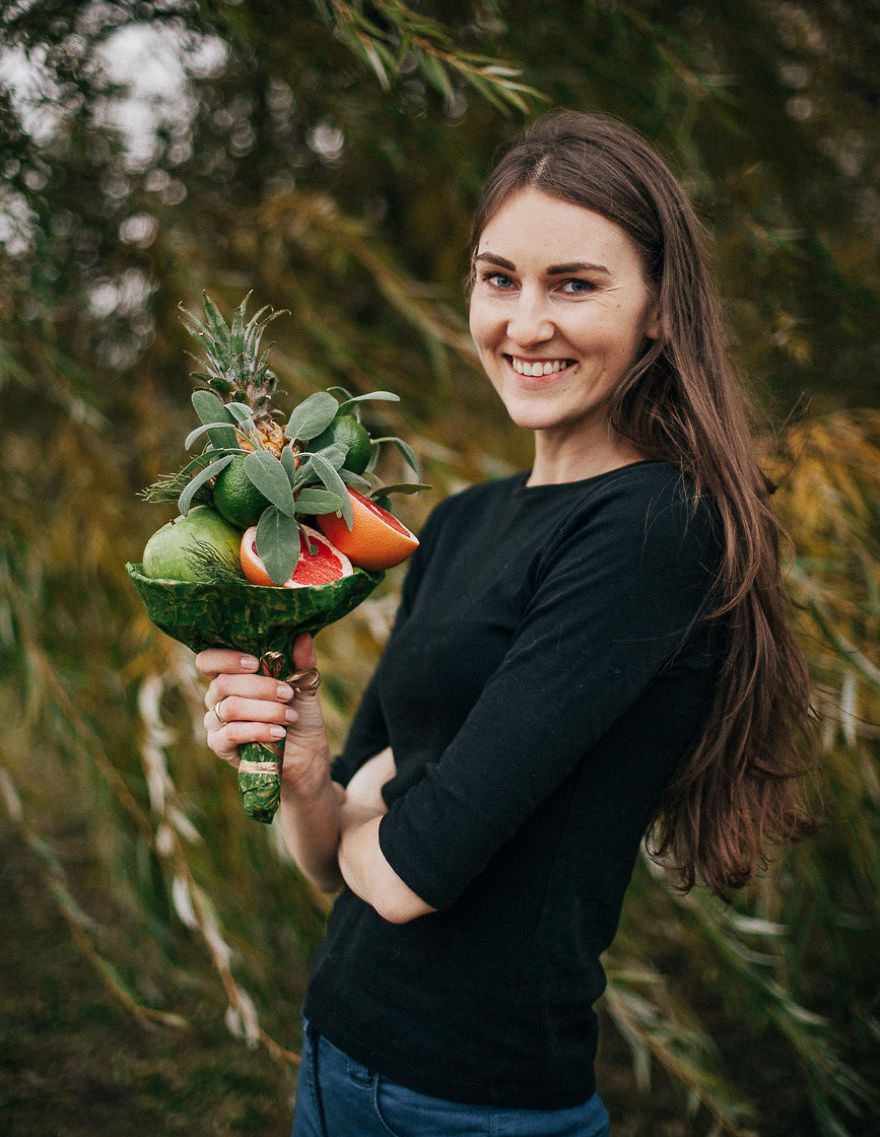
(377, 539)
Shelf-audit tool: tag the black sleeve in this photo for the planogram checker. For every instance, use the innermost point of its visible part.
(615, 596)
(368, 733)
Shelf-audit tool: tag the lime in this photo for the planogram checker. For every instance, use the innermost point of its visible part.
(169, 552)
(347, 431)
(236, 496)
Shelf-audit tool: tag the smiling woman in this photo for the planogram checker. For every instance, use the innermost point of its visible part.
(555, 334)
(585, 653)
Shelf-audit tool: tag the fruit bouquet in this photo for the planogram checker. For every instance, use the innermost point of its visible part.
(282, 529)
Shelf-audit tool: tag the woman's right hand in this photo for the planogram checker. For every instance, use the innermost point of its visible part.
(258, 708)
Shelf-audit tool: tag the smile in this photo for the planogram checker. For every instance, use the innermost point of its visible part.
(538, 367)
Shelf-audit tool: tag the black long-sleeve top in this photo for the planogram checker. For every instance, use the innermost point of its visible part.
(548, 669)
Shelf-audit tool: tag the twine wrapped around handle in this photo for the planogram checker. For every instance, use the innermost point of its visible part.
(259, 772)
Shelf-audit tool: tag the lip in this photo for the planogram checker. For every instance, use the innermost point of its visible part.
(538, 382)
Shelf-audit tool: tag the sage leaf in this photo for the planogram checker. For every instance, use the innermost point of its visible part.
(400, 487)
(312, 416)
(314, 502)
(185, 499)
(289, 464)
(336, 485)
(344, 390)
(278, 544)
(407, 451)
(353, 479)
(335, 454)
(241, 412)
(205, 428)
(266, 472)
(387, 396)
(211, 409)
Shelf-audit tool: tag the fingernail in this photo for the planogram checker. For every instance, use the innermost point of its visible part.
(291, 715)
(249, 663)
(277, 731)
(283, 691)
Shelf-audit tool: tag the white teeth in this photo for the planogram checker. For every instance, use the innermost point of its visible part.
(523, 367)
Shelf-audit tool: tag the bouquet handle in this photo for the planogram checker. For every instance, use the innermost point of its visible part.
(259, 772)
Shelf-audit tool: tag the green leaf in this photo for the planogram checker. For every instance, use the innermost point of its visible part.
(353, 479)
(215, 321)
(269, 476)
(336, 485)
(185, 499)
(312, 416)
(407, 451)
(205, 428)
(375, 451)
(289, 464)
(241, 412)
(278, 543)
(335, 454)
(387, 396)
(315, 502)
(400, 487)
(210, 407)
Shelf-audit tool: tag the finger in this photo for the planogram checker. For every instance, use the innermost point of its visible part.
(236, 709)
(224, 741)
(247, 687)
(215, 660)
(304, 651)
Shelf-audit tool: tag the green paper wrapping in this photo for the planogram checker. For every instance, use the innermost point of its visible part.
(256, 620)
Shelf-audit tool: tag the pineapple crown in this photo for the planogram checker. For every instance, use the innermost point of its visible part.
(234, 365)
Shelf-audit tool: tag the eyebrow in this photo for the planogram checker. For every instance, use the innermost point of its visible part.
(552, 270)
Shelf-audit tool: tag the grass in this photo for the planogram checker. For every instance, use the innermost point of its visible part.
(73, 1063)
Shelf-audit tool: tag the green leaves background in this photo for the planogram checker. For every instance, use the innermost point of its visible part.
(328, 156)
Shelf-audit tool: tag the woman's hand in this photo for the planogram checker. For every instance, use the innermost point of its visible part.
(246, 707)
(365, 786)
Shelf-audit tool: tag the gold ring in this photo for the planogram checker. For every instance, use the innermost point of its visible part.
(216, 711)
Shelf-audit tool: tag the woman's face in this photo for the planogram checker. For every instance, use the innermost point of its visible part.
(559, 310)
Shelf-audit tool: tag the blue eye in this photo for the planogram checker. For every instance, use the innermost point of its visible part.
(586, 286)
(496, 279)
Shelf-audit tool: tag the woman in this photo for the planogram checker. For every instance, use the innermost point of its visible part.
(584, 652)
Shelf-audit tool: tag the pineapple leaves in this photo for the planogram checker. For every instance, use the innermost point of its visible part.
(269, 476)
(278, 543)
(335, 485)
(314, 502)
(186, 497)
(215, 322)
(312, 416)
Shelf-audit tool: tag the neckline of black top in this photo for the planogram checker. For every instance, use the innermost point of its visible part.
(524, 475)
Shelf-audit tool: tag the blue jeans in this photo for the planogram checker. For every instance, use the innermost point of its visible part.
(338, 1097)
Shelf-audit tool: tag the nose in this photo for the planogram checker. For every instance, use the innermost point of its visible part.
(529, 322)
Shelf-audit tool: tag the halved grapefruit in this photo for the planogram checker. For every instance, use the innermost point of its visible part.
(377, 540)
(323, 566)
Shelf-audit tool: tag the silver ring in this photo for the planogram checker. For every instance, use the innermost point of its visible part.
(216, 711)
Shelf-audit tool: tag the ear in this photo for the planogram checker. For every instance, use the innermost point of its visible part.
(653, 326)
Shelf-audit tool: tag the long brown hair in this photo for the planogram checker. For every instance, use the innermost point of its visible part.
(744, 785)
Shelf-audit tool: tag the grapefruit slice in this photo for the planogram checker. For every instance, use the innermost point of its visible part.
(377, 540)
(323, 566)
